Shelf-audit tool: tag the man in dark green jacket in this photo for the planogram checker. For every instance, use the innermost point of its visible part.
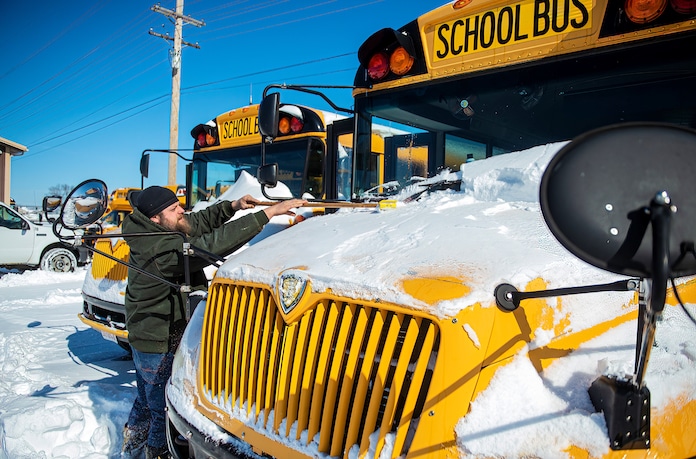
(155, 311)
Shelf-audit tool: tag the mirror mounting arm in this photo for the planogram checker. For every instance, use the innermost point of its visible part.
(129, 265)
(508, 298)
(305, 88)
(188, 250)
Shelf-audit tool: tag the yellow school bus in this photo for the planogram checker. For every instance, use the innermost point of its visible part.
(307, 354)
(227, 151)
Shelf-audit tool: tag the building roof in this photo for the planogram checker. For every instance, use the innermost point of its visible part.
(13, 148)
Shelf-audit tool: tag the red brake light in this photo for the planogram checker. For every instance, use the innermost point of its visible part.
(644, 11)
(684, 6)
(201, 139)
(296, 125)
(378, 67)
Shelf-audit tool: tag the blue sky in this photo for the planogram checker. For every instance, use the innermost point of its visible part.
(87, 89)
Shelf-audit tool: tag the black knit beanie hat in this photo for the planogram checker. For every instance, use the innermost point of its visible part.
(154, 199)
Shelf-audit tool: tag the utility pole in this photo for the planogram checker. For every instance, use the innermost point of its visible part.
(179, 19)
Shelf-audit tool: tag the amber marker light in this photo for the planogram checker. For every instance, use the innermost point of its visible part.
(284, 126)
(460, 4)
(400, 61)
(644, 11)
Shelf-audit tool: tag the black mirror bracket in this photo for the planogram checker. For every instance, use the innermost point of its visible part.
(624, 402)
(508, 298)
(626, 405)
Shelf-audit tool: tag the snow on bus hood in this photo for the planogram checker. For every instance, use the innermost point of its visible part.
(491, 231)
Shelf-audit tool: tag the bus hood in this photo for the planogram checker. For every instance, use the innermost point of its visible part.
(491, 231)
(444, 255)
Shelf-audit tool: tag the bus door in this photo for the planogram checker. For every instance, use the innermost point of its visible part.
(339, 159)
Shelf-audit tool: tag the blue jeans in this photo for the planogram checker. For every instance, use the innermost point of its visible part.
(152, 372)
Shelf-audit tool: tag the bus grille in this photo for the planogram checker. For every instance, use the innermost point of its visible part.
(103, 267)
(343, 376)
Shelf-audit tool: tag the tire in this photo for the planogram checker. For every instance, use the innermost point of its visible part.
(59, 260)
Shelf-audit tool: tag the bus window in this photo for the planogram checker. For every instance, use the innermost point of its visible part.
(459, 151)
(411, 157)
(314, 185)
(344, 160)
(291, 163)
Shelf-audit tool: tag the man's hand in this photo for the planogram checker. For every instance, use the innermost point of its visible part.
(245, 202)
(284, 207)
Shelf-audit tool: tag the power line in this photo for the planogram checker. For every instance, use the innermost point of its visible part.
(71, 71)
(96, 130)
(305, 18)
(161, 99)
(95, 7)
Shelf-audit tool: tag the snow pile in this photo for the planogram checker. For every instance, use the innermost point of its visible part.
(66, 392)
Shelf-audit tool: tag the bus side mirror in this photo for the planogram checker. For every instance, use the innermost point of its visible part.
(268, 175)
(51, 203)
(145, 164)
(268, 115)
(84, 205)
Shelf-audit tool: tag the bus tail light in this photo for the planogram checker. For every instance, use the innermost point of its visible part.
(644, 11)
(290, 125)
(390, 54)
(684, 6)
(400, 62)
(378, 67)
(632, 15)
(205, 135)
(296, 125)
(205, 139)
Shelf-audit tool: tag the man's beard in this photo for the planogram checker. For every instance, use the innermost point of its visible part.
(181, 226)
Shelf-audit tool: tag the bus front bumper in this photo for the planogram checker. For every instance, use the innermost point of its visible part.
(186, 441)
(108, 333)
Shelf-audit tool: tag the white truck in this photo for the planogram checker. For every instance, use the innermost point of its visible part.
(24, 243)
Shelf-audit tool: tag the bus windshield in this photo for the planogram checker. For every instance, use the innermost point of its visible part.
(524, 107)
(300, 167)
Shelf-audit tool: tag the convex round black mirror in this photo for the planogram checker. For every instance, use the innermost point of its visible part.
(85, 204)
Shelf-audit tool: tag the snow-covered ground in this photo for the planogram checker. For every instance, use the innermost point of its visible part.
(65, 392)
